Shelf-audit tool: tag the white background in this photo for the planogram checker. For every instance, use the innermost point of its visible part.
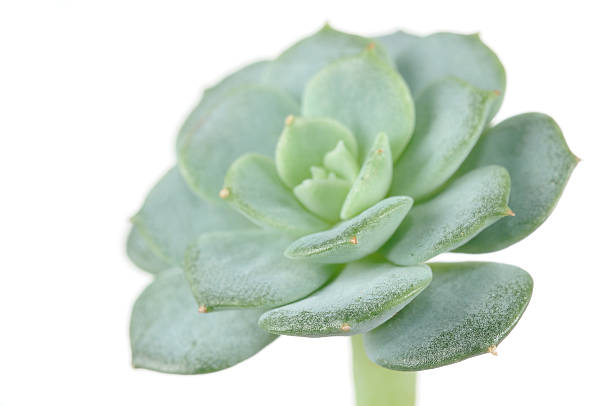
(91, 97)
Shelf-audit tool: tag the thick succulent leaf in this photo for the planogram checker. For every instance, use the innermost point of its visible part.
(468, 205)
(324, 197)
(141, 254)
(397, 43)
(304, 143)
(169, 335)
(248, 269)
(249, 75)
(451, 115)
(532, 148)
(441, 55)
(365, 295)
(373, 181)
(355, 238)
(248, 119)
(367, 95)
(294, 67)
(172, 217)
(468, 308)
(341, 162)
(253, 187)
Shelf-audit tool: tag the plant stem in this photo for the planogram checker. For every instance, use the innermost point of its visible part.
(375, 385)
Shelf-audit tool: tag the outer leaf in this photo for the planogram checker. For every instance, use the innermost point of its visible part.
(172, 217)
(532, 148)
(469, 307)
(367, 95)
(373, 181)
(248, 269)
(294, 67)
(169, 335)
(305, 142)
(323, 197)
(355, 238)
(365, 295)
(441, 55)
(142, 255)
(451, 115)
(468, 205)
(249, 75)
(246, 120)
(255, 190)
(397, 43)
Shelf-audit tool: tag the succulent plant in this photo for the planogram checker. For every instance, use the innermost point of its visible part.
(312, 189)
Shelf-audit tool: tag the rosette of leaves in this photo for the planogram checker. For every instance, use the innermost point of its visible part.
(312, 190)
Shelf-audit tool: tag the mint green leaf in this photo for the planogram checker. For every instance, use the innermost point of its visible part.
(451, 115)
(318, 173)
(397, 43)
(324, 197)
(249, 75)
(532, 148)
(465, 207)
(467, 308)
(141, 254)
(355, 238)
(248, 119)
(169, 335)
(365, 295)
(248, 269)
(342, 162)
(373, 181)
(172, 217)
(294, 67)
(255, 190)
(367, 95)
(441, 55)
(305, 142)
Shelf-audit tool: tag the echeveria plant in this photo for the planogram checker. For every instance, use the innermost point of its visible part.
(310, 192)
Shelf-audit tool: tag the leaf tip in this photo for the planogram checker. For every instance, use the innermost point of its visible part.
(224, 193)
(509, 212)
(345, 327)
(203, 309)
(290, 119)
(492, 350)
(371, 46)
(353, 240)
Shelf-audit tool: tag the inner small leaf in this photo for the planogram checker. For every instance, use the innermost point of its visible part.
(324, 197)
(340, 161)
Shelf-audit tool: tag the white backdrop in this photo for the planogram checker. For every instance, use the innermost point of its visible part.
(91, 97)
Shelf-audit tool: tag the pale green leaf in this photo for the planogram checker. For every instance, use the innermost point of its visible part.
(342, 162)
(141, 254)
(451, 115)
(324, 197)
(532, 148)
(367, 95)
(305, 142)
(255, 190)
(468, 308)
(365, 295)
(356, 238)
(397, 43)
(172, 217)
(248, 269)
(465, 207)
(169, 335)
(248, 119)
(373, 181)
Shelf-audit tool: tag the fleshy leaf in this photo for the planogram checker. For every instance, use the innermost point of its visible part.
(249, 75)
(397, 43)
(248, 269)
(441, 55)
(467, 310)
(305, 142)
(324, 197)
(532, 148)
(465, 207)
(248, 119)
(355, 238)
(141, 254)
(294, 67)
(365, 295)
(169, 335)
(367, 95)
(255, 190)
(172, 217)
(318, 173)
(373, 181)
(342, 162)
(451, 115)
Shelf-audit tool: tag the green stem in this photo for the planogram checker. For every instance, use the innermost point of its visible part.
(375, 386)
